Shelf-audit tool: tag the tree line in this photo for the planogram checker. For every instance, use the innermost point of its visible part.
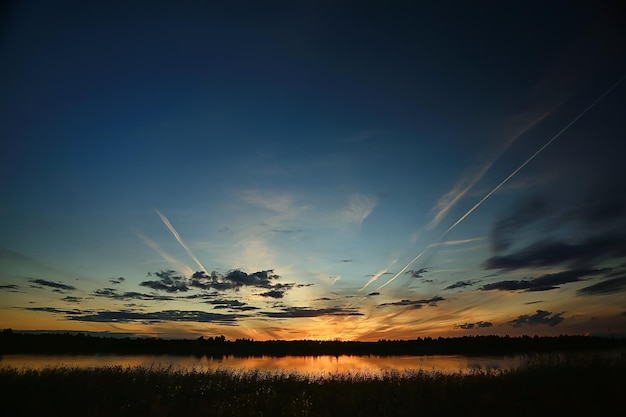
(13, 342)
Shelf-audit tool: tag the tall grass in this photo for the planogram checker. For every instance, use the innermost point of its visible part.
(566, 384)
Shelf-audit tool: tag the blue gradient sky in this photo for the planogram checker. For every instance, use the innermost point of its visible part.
(270, 171)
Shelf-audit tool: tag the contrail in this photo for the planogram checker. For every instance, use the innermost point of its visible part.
(449, 200)
(378, 275)
(180, 240)
(511, 175)
(548, 143)
(166, 256)
(419, 255)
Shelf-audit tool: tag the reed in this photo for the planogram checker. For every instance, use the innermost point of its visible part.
(559, 384)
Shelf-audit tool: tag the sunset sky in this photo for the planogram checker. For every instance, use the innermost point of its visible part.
(292, 170)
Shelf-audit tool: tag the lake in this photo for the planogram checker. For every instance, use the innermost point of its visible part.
(309, 365)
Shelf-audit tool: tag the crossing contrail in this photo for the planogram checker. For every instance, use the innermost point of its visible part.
(167, 224)
(452, 197)
(533, 156)
(511, 175)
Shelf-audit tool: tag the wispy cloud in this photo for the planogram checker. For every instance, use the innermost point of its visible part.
(359, 207)
(269, 200)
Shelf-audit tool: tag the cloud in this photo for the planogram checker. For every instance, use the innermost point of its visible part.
(551, 252)
(541, 317)
(236, 279)
(116, 280)
(304, 312)
(168, 281)
(373, 294)
(273, 294)
(10, 288)
(525, 214)
(417, 273)
(359, 208)
(609, 286)
(477, 325)
(55, 310)
(55, 285)
(125, 316)
(130, 295)
(231, 304)
(415, 303)
(460, 284)
(544, 282)
(70, 299)
(269, 200)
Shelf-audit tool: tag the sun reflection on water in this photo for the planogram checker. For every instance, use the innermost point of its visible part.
(306, 365)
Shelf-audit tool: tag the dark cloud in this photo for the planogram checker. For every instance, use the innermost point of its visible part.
(244, 307)
(235, 279)
(226, 303)
(504, 230)
(70, 299)
(52, 284)
(417, 273)
(124, 316)
(477, 325)
(117, 280)
(372, 294)
(541, 317)
(273, 294)
(130, 295)
(609, 286)
(54, 310)
(10, 288)
(460, 284)
(168, 281)
(604, 206)
(415, 303)
(544, 282)
(551, 252)
(301, 312)
(203, 296)
(346, 260)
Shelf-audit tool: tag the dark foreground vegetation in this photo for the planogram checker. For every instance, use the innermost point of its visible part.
(571, 384)
(15, 342)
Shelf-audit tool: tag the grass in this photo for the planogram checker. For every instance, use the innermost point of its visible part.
(565, 384)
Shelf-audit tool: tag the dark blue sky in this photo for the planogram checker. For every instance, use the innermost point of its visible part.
(191, 147)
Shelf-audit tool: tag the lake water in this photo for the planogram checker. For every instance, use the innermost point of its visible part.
(309, 365)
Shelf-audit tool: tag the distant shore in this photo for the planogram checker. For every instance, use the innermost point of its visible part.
(13, 342)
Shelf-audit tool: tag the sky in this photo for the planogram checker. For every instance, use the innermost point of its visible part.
(313, 170)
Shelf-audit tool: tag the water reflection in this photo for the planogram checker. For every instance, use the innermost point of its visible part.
(309, 365)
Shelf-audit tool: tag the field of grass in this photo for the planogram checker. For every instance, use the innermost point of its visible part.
(561, 385)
